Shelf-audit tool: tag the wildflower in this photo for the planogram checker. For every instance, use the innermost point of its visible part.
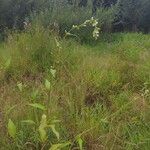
(96, 32)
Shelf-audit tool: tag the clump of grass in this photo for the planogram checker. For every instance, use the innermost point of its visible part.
(29, 52)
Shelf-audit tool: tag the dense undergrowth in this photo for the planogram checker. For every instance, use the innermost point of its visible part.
(96, 96)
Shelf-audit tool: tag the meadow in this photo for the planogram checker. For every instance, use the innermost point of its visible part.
(63, 94)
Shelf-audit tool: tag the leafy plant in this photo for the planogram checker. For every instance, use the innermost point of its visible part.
(92, 22)
(47, 85)
(79, 141)
(11, 129)
(42, 129)
(59, 146)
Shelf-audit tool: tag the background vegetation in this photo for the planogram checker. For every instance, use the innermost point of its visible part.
(114, 15)
(60, 89)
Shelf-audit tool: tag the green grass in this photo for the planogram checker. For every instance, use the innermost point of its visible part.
(100, 93)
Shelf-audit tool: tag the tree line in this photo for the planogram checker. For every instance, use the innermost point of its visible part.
(129, 15)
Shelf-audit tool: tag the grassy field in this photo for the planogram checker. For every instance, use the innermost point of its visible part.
(60, 94)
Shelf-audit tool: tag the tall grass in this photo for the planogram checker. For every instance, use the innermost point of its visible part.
(99, 94)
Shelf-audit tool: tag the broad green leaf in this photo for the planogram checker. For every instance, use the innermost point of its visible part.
(43, 122)
(54, 131)
(37, 105)
(43, 134)
(11, 128)
(28, 122)
(80, 142)
(42, 131)
(47, 85)
(59, 146)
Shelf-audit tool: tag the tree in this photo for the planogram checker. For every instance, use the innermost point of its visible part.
(145, 18)
(131, 12)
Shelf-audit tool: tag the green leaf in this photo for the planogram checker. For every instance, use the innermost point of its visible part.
(7, 64)
(47, 85)
(53, 72)
(34, 94)
(55, 121)
(19, 85)
(43, 123)
(43, 134)
(54, 131)
(80, 142)
(42, 131)
(55, 147)
(11, 128)
(104, 121)
(59, 146)
(37, 105)
(31, 122)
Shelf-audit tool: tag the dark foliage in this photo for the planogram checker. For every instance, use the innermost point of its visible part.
(132, 15)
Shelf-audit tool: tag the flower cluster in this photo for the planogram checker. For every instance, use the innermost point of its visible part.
(92, 22)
